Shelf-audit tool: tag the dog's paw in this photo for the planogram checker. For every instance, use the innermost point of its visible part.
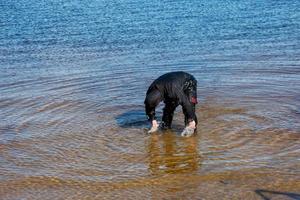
(153, 129)
(187, 132)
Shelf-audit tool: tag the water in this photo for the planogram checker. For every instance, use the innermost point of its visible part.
(73, 76)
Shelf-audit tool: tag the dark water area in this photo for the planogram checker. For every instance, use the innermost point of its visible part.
(73, 77)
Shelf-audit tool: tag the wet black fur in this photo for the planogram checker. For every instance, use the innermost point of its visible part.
(174, 88)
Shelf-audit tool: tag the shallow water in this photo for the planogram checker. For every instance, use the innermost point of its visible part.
(73, 78)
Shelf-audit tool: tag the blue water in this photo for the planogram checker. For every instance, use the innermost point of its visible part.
(75, 72)
(66, 35)
(231, 44)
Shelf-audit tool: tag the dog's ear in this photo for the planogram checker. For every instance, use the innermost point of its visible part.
(190, 89)
(188, 85)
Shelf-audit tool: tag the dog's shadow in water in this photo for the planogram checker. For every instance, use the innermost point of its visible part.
(133, 119)
(137, 119)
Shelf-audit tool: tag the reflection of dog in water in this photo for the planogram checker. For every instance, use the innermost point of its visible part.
(169, 155)
(174, 88)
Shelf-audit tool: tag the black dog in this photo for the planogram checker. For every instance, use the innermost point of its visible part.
(174, 88)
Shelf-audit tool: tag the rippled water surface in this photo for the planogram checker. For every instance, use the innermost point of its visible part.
(73, 76)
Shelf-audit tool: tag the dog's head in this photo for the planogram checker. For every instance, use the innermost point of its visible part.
(190, 89)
